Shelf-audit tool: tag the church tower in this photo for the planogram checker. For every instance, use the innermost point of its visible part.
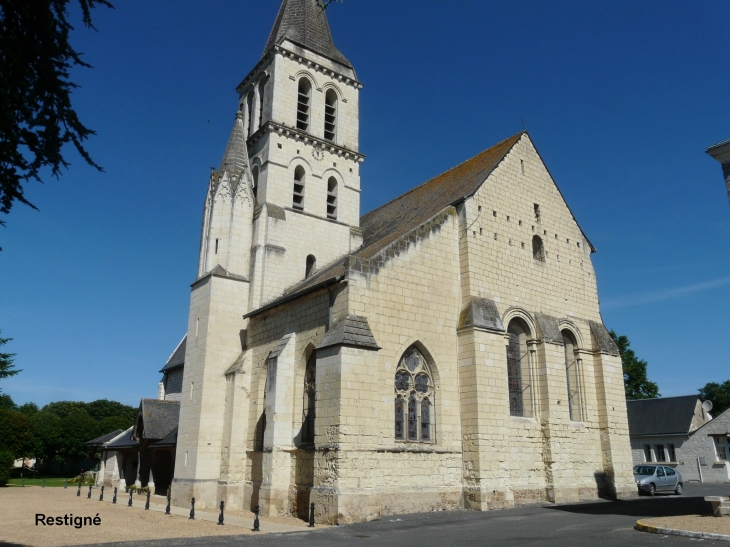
(300, 111)
(284, 202)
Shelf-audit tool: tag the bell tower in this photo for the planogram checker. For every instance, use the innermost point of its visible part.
(299, 109)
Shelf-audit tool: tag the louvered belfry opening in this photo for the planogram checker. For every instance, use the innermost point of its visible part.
(298, 196)
(330, 114)
(332, 198)
(303, 98)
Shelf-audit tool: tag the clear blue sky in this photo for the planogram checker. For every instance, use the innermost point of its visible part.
(622, 98)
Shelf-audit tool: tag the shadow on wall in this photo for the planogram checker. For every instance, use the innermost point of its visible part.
(604, 485)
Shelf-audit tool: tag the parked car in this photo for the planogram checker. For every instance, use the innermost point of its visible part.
(651, 479)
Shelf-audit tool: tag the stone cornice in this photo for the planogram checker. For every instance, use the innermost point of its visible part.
(306, 138)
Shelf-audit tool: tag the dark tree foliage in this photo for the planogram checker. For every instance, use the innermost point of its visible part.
(45, 436)
(14, 432)
(636, 383)
(98, 410)
(719, 394)
(29, 409)
(76, 428)
(7, 368)
(112, 423)
(7, 403)
(37, 118)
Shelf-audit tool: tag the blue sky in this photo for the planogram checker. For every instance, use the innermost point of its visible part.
(622, 98)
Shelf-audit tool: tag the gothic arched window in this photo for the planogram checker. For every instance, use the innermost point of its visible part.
(311, 266)
(261, 91)
(518, 370)
(303, 98)
(572, 373)
(414, 394)
(255, 175)
(330, 114)
(332, 198)
(309, 411)
(249, 113)
(298, 196)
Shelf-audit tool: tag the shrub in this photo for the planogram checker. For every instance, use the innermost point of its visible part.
(6, 464)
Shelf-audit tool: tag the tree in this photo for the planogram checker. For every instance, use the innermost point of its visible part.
(36, 118)
(636, 383)
(45, 437)
(76, 429)
(112, 423)
(719, 394)
(7, 403)
(29, 409)
(14, 432)
(104, 408)
(7, 368)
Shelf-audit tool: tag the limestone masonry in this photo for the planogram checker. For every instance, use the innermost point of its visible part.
(445, 350)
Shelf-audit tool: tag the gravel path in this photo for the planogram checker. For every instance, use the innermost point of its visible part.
(19, 506)
(693, 523)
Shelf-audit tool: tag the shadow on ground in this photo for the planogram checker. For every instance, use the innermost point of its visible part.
(661, 506)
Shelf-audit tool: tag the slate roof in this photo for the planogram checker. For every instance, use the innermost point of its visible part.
(350, 331)
(104, 438)
(158, 418)
(169, 440)
(664, 416)
(177, 359)
(235, 158)
(125, 441)
(305, 23)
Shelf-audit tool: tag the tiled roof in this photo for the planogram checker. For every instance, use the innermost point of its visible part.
(125, 441)
(158, 418)
(104, 438)
(169, 440)
(665, 416)
(177, 359)
(351, 330)
(305, 23)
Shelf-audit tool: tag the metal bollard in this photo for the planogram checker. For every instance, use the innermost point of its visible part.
(130, 498)
(114, 499)
(256, 520)
(220, 517)
(78, 492)
(23, 482)
(147, 504)
(192, 509)
(65, 484)
(311, 516)
(101, 495)
(89, 496)
(44, 483)
(167, 509)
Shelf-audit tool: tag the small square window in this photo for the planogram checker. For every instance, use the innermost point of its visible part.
(279, 145)
(494, 213)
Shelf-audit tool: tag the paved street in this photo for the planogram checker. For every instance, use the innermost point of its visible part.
(598, 524)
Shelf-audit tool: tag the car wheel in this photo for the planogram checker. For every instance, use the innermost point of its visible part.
(652, 489)
(679, 489)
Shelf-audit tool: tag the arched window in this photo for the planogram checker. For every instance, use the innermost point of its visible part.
(298, 198)
(572, 373)
(414, 395)
(255, 175)
(311, 266)
(538, 251)
(332, 198)
(330, 114)
(309, 411)
(250, 112)
(262, 89)
(303, 98)
(518, 370)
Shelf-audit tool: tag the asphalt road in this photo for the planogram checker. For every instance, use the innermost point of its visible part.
(595, 524)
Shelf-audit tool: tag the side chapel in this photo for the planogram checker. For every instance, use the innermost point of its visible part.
(444, 350)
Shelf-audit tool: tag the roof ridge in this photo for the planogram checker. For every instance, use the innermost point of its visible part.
(447, 171)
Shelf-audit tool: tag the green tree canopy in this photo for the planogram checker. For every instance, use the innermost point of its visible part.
(636, 382)
(45, 437)
(7, 368)
(107, 425)
(76, 428)
(36, 118)
(719, 394)
(7, 403)
(29, 409)
(14, 432)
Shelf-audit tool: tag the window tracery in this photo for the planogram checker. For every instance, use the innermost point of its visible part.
(414, 394)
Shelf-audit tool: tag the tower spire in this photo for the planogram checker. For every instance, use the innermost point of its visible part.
(304, 22)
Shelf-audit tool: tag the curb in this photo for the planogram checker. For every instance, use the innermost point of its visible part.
(641, 527)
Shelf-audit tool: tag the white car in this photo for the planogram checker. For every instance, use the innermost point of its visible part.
(652, 478)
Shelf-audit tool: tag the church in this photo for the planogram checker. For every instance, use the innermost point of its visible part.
(443, 351)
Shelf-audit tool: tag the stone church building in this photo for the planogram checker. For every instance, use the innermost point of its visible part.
(444, 350)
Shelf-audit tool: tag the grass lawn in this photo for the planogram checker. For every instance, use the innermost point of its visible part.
(39, 482)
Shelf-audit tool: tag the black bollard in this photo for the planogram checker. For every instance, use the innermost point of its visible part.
(114, 499)
(44, 483)
(23, 482)
(192, 509)
(256, 520)
(78, 492)
(220, 517)
(311, 516)
(147, 504)
(101, 495)
(130, 498)
(167, 509)
(65, 484)
(89, 494)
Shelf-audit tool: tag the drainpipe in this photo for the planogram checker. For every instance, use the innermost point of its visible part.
(699, 468)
